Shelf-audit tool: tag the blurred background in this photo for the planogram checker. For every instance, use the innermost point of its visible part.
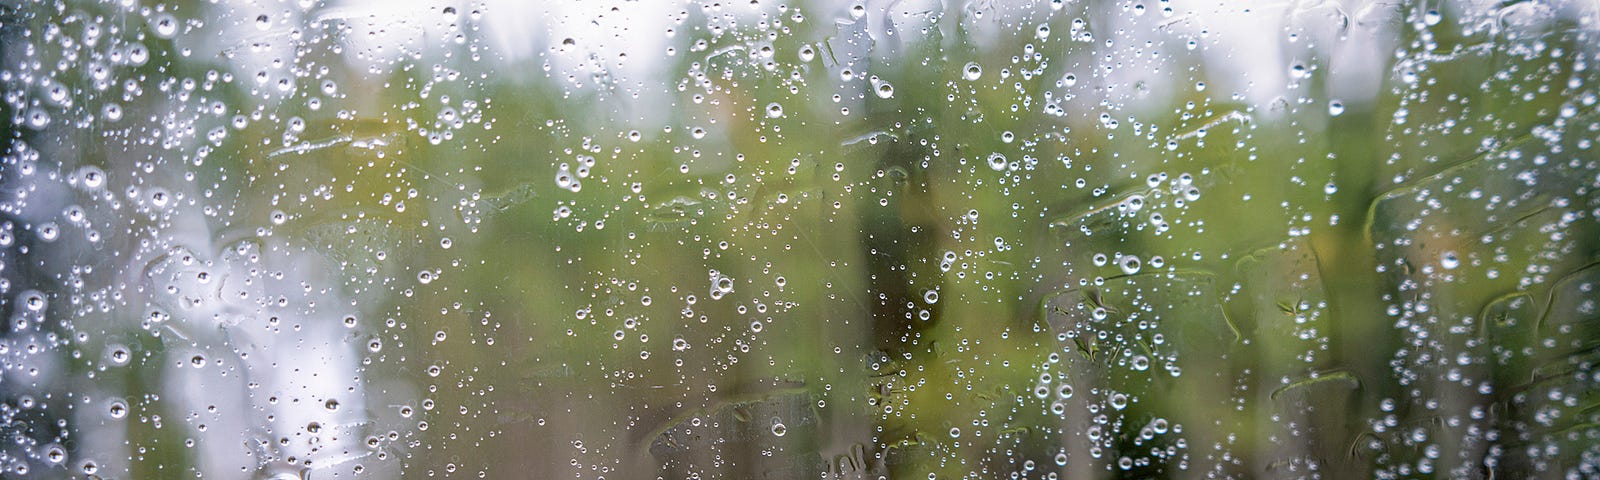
(806, 239)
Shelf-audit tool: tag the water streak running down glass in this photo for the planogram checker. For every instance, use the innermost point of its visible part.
(809, 239)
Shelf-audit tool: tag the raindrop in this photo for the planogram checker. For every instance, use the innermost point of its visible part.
(165, 25)
(49, 232)
(118, 409)
(93, 178)
(1133, 203)
(972, 71)
(38, 118)
(1129, 264)
(997, 161)
(1299, 70)
(1191, 194)
(1449, 260)
(118, 354)
(159, 198)
(885, 90)
(55, 454)
(34, 300)
(138, 54)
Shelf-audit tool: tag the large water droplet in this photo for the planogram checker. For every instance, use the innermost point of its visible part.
(1449, 260)
(972, 71)
(885, 90)
(165, 25)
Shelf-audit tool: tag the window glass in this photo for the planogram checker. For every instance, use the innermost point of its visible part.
(825, 239)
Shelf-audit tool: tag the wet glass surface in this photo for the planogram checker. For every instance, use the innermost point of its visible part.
(806, 239)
